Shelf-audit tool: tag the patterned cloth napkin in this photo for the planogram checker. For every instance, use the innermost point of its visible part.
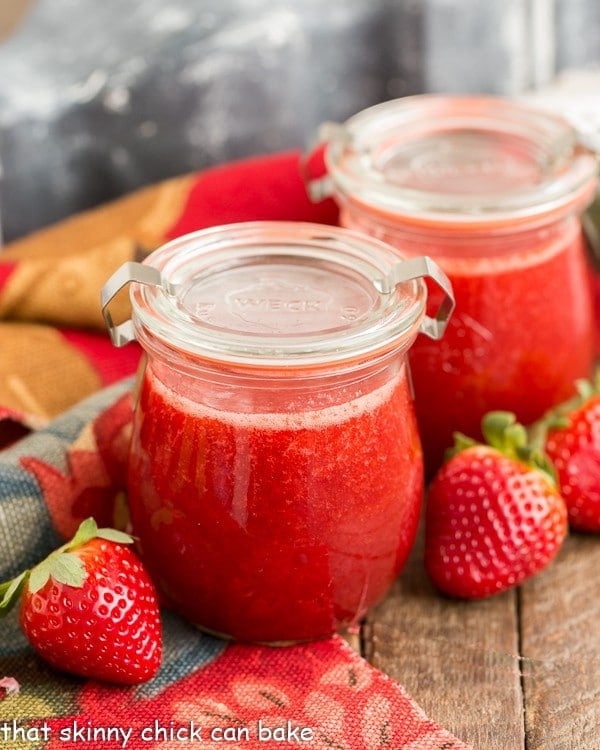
(65, 416)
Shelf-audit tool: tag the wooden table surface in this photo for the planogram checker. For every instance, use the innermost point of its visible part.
(519, 671)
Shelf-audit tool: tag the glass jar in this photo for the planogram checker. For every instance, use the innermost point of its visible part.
(275, 475)
(493, 191)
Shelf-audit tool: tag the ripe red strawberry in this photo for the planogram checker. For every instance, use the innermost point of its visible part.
(494, 516)
(572, 442)
(91, 609)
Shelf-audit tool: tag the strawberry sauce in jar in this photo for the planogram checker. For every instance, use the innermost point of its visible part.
(493, 191)
(276, 474)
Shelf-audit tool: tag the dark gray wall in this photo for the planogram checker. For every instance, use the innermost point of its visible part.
(98, 98)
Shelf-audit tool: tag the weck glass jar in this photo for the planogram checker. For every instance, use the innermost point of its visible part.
(276, 474)
(493, 191)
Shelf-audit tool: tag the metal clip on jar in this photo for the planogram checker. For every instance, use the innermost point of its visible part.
(493, 190)
(275, 475)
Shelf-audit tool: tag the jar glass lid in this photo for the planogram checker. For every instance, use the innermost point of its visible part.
(458, 158)
(278, 293)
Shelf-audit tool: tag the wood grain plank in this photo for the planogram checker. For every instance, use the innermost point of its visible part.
(560, 642)
(459, 660)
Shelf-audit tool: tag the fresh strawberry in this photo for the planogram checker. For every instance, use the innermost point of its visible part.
(571, 438)
(494, 516)
(90, 608)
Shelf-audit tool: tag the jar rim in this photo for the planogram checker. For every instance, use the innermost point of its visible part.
(277, 295)
(459, 160)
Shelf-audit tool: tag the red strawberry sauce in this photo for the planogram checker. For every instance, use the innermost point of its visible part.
(275, 527)
(522, 331)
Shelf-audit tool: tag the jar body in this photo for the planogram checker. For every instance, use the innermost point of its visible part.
(275, 509)
(523, 328)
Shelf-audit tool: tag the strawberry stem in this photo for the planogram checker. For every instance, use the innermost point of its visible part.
(502, 431)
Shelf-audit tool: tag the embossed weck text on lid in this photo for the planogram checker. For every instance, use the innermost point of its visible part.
(283, 298)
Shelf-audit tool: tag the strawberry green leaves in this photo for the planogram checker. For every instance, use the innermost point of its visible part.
(64, 567)
(89, 530)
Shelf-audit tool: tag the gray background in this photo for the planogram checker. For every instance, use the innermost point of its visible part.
(98, 98)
